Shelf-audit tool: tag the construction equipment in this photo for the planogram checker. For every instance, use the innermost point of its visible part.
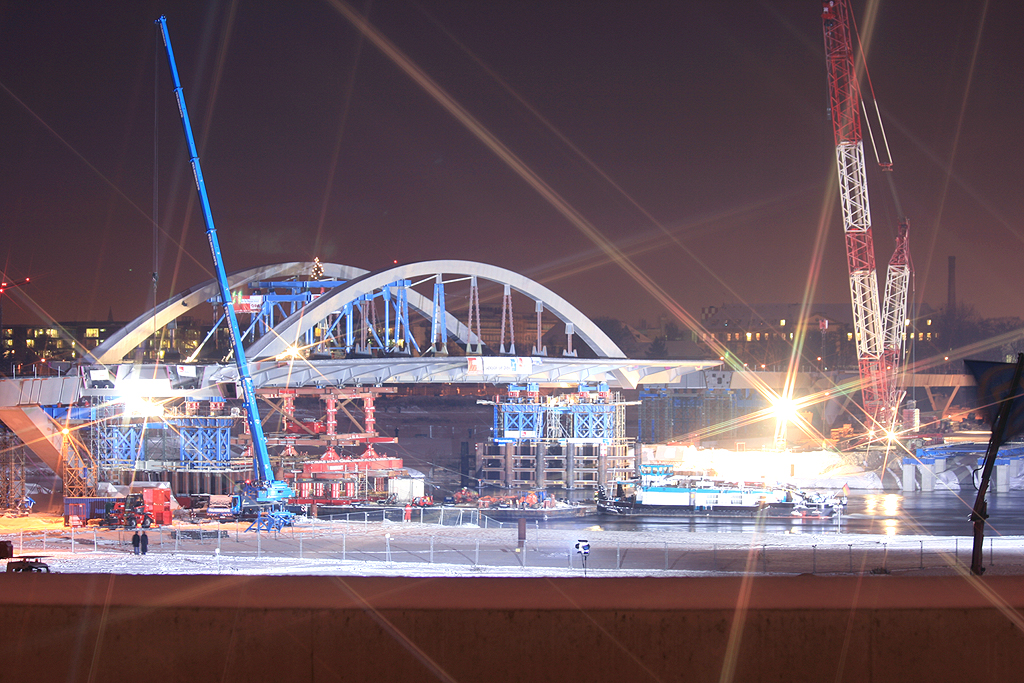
(263, 491)
(879, 334)
(140, 510)
(31, 564)
(464, 496)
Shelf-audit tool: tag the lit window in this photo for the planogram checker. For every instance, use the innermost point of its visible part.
(782, 323)
(849, 336)
(749, 336)
(92, 332)
(30, 343)
(929, 321)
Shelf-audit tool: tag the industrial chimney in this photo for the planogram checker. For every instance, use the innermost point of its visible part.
(951, 294)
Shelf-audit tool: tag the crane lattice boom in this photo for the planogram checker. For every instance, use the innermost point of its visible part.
(879, 337)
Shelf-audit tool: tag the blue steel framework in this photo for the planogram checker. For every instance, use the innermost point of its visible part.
(592, 415)
(204, 443)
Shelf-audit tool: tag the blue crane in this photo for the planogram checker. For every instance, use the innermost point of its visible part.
(264, 494)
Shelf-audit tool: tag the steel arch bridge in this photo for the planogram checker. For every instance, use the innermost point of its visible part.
(347, 311)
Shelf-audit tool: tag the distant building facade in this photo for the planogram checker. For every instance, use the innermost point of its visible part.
(761, 336)
(30, 349)
(22, 346)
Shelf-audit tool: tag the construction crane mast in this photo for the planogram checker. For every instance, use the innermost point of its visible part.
(894, 319)
(265, 490)
(879, 335)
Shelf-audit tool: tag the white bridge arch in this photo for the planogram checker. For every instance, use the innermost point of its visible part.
(290, 331)
(358, 284)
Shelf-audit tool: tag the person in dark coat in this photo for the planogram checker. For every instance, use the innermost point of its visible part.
(135, 543)
(144, 543)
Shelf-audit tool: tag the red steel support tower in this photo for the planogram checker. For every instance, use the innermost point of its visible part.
(844, 99)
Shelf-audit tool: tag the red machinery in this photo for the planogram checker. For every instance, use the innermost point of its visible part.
(311, 427)
(337, 481)
(142, 509)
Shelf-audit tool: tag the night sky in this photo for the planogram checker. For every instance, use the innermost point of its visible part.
(691, 134)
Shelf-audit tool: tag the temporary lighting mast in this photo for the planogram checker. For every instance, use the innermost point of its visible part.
(879, 345)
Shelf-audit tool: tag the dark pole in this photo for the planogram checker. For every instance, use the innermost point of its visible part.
(980, 512)
(4, 286)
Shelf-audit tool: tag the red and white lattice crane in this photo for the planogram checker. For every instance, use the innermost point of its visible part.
(879, 331)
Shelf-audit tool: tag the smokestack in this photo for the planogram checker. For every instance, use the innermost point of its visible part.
(951, 294)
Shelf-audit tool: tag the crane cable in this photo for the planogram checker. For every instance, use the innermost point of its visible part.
(874, 100)
(885, 165)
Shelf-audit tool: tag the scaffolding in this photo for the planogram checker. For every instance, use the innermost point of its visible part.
(571, 440)
(12, 472)
(77, 467)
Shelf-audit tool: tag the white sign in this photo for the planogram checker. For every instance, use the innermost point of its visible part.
(247, 304)
(499, 365)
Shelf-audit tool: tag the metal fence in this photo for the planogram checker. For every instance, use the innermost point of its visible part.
(362, 540)
(439, 516)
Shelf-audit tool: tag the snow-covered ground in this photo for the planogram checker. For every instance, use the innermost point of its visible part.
(421, 550)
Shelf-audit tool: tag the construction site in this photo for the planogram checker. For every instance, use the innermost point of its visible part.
(287, 418)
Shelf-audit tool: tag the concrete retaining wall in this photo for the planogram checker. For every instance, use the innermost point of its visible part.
(231, 628)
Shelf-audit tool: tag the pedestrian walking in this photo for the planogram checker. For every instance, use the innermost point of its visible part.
(136, 541)
(144, 543)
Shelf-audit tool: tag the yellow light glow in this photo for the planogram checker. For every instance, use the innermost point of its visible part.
(136, 406)
(291, 353)
(891, 505)
(784, 409)
(753, 466)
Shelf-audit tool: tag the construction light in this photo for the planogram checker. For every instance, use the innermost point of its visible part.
(784, 409)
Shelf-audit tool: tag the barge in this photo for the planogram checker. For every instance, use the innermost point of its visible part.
(660, 493)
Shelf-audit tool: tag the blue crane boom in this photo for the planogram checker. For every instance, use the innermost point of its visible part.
(266, 488)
